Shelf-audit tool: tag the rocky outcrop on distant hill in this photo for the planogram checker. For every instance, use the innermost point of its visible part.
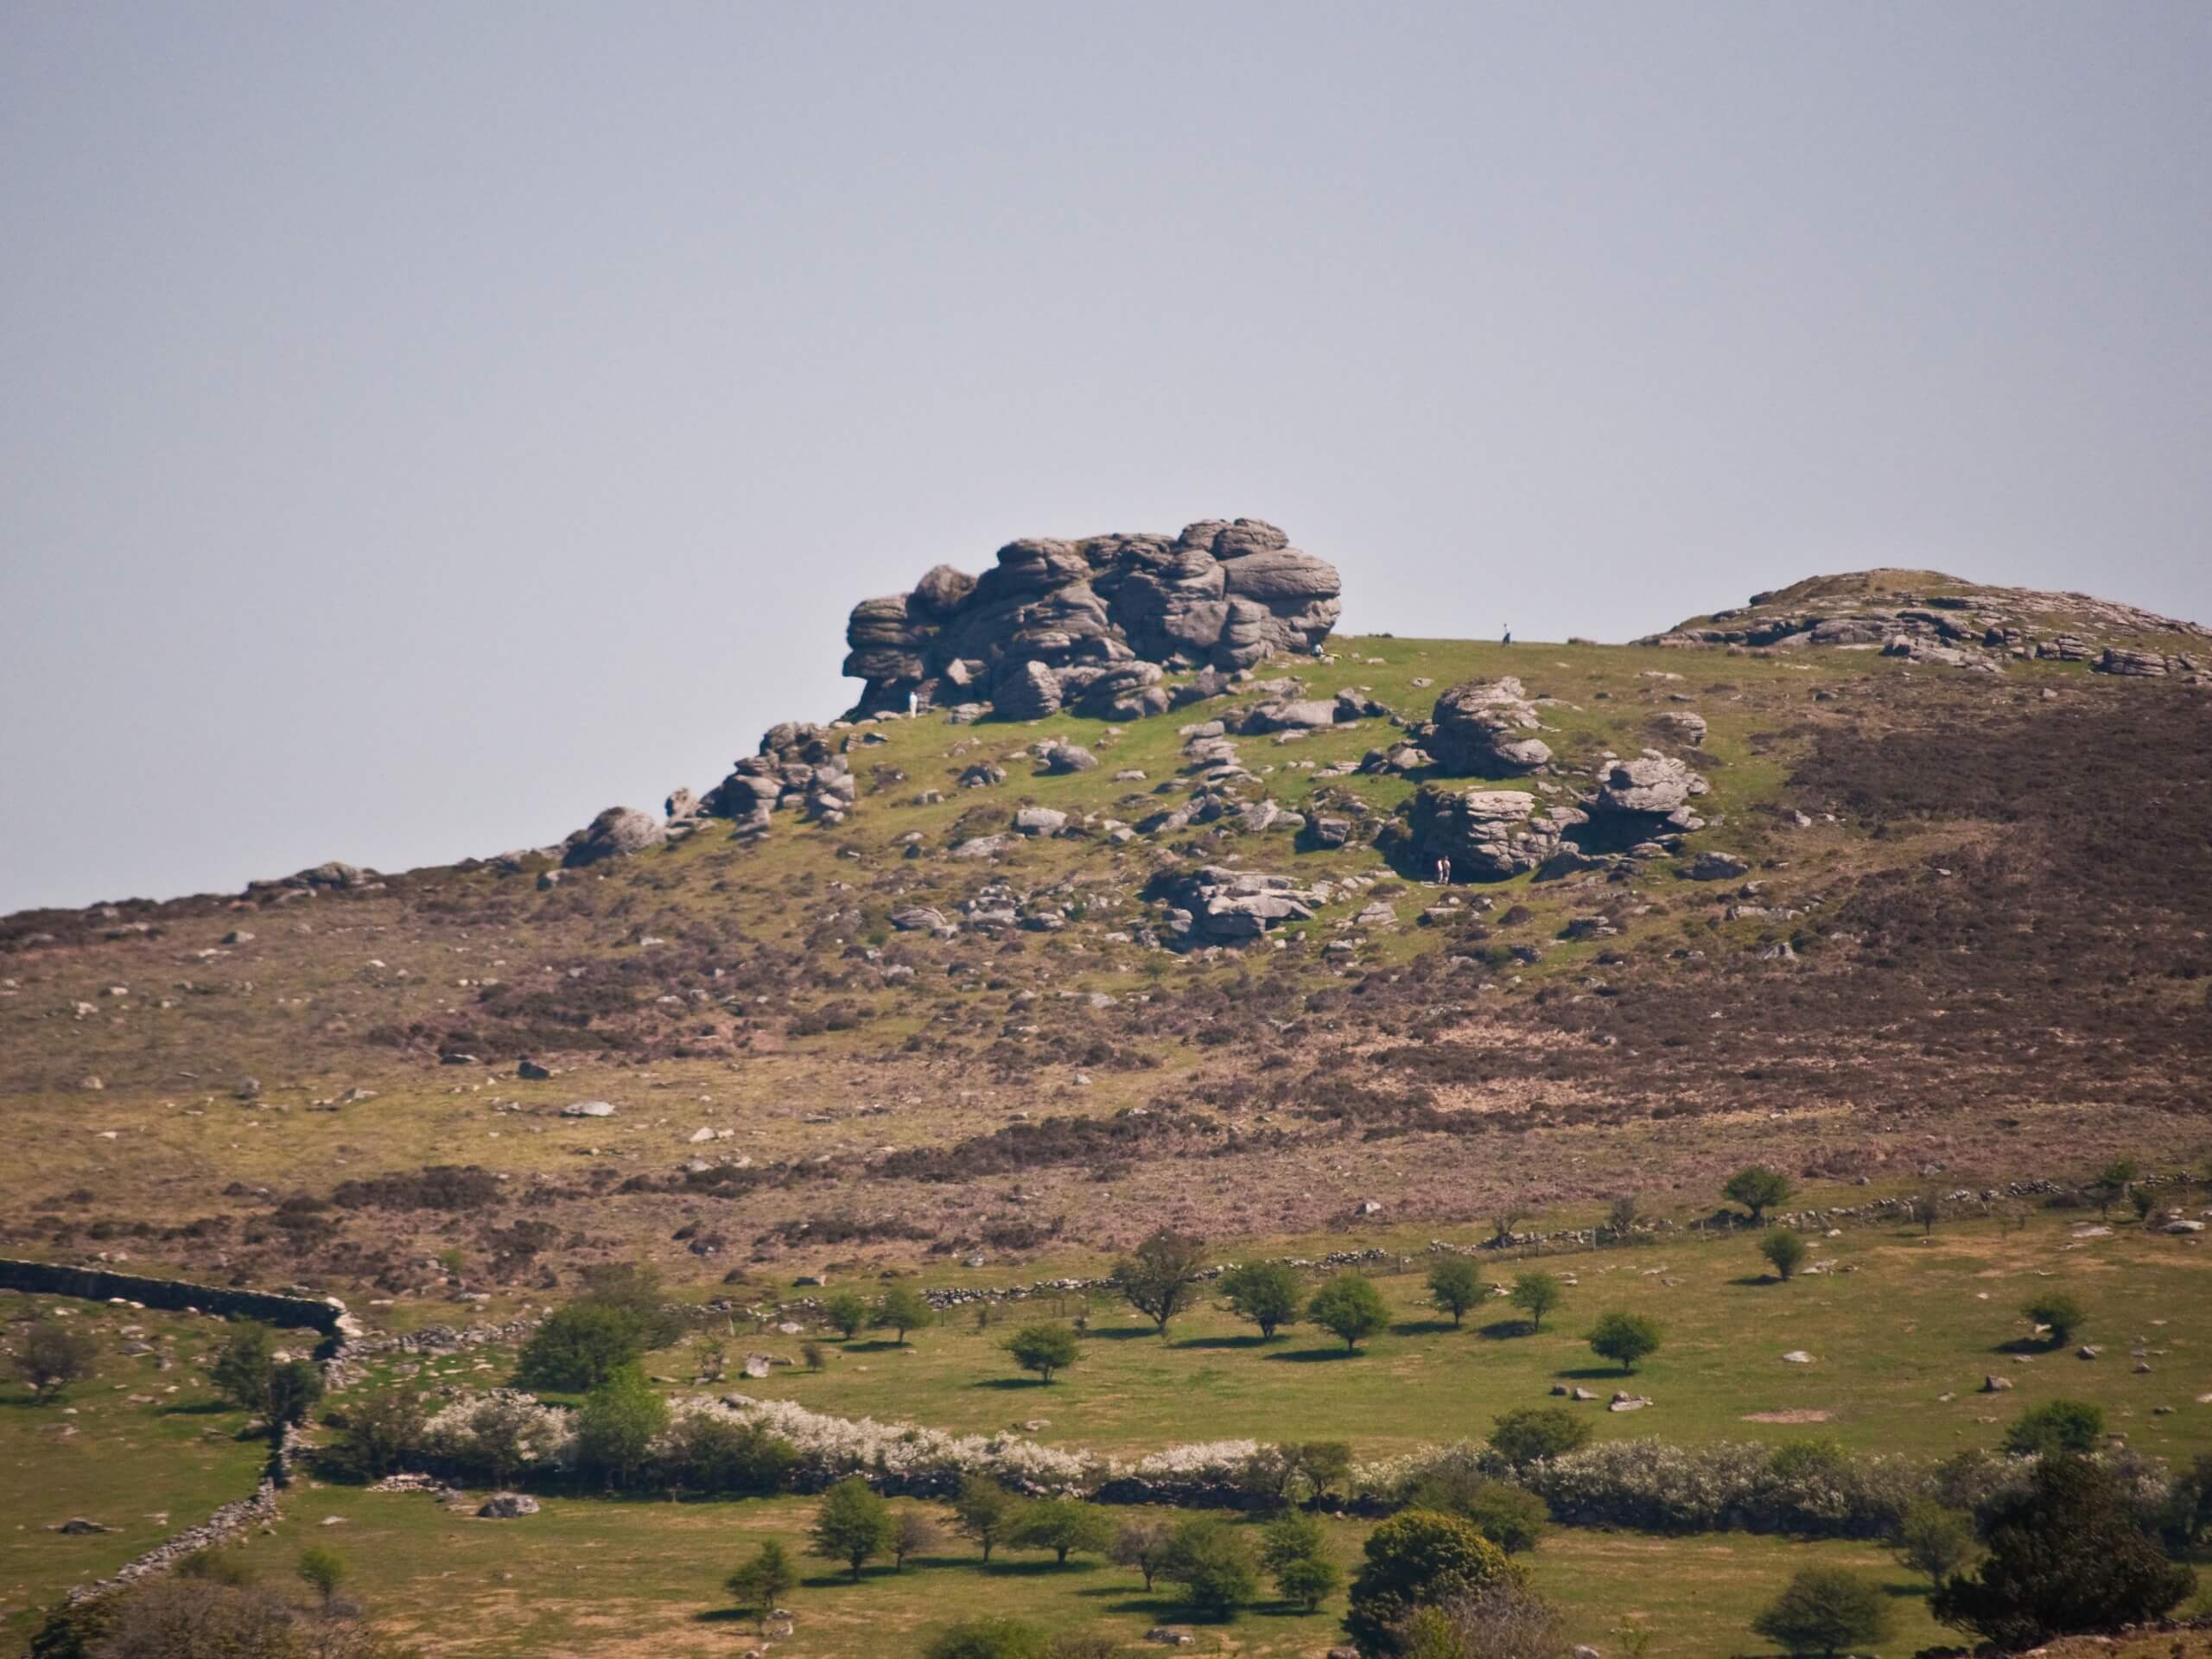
(1931, 618)
(799, 767)
(1092, 624)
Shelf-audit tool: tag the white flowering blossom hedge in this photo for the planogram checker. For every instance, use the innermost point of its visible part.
(1651, 1485)
(839, 1445)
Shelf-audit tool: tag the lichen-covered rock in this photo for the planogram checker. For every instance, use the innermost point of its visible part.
(1219, 905)
(615, 832)
(1652, 786)
(1488, 834)
(2149, 665)
(798, 766)
(1479, 729)
(1093, 616)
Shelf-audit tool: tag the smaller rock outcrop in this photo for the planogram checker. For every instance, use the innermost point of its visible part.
(797, 767)
(615, 832)
(1480, 729)
(1219, 905)
(1487, 834)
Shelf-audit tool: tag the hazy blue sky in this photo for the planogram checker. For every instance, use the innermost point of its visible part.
(422, 426)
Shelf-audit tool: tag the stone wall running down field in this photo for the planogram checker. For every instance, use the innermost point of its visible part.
(325, 1314)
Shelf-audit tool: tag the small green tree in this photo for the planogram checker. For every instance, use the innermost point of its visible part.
(1529, 1434)
(990, 1637)
(913, 1532)
(1160, 1277)
(1295, 1552)
(1213, 1562)
(722, 1455)
(1416, 1558)
(1265, 1293)
(1062, 1525)
(1783, 1251)
(322, 1570)
(852, 1524)
(1454, 1286)
(293, 1387)
(2056, 1425)
(1324, 1464)
(762, 1583)
(2113, 1182)
(579, 1347)
(1621, 1216)
(1823, 1611)
(985, 1510)
(1625, 1338)
(241, 1370)
(2066, 1555)
(1142, 1544)
(1350, 1305)
(382, 1431)
(903, 1309)
(1509, 1516)
(1758, 1188)
(1538, 1294)
(1043, 1349)
(617, 1425)
(847, 1312)
(53, 1356)
(1934, 1540)
(2063, 1313)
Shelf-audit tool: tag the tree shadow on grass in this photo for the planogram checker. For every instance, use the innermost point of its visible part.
(1905, 1590)
(2028, 1345)
(1008, 1384)
(1506, 1330)
(1119, 1334)
(198, 1408)
(1035, 1566)
(1316, 1356)
(1595, 1373)
(1252, 1340)
(876, 1346)
(1424, 1328)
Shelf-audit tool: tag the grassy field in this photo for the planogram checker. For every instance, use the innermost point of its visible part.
(643, 1579)
(1903, 1321)
(144, 1451)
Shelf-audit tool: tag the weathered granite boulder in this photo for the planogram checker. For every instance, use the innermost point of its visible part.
(1097, 618)
(1488, 834)
(1479, 729)
(615, 832)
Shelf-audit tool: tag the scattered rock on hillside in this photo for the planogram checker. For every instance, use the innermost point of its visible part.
(2140, 663)
(1218, 905)
(505, 1506)
(1653, 787)
(588, 1109)
(1717, 867)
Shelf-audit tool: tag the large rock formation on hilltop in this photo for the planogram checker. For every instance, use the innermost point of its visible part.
(1931, 618)
(1092, 624)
